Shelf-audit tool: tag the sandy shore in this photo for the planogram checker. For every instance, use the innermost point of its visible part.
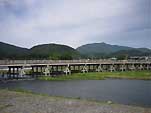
(18, 102)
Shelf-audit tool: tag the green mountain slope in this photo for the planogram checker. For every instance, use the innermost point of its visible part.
(53, 51)
(103, 50)
(63, 52)
(45, 51)
(8, 51)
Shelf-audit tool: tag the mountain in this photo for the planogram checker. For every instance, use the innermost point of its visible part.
(44, 51)
(103, 50)
(54, 51)
(146, 50)
(97, 48)
(12, 52)
(63, 52)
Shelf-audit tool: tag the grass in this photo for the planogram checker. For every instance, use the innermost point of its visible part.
(140, 75)
(146, 75)
(77, 76)
(19, 90)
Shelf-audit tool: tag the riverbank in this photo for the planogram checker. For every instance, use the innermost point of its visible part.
(26, 102)
(140, 75)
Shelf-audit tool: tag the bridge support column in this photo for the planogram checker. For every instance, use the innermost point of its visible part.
(85, 68)
(57, 67)
(47, 71)
(22, 72)
(123, 67)
(9, 73)
(99, 69)
(41, 70)
(67, 70)
(141, 67)
(148, 67)
(79, 67)
(37, 69)
(112, 68)
(132, 67)
(17, 72)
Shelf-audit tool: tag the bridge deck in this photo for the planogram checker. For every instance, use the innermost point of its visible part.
(7, 63)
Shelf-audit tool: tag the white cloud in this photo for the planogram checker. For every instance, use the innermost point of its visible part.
(71, 22)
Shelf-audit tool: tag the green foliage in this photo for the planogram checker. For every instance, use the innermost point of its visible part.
(8, 51)
(77, 76)
(63, 52)
(20, 90)
(146, 75)
(54, 52)
(133, 52)
(122, 57)
(45, 51)
(98, 48)
(103, 50)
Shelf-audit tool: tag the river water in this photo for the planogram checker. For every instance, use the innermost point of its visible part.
(130, 92)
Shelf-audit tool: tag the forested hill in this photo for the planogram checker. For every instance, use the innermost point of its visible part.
(45, 51)
(54, 51)
(8, 51)
(63, 52)
(103, 50)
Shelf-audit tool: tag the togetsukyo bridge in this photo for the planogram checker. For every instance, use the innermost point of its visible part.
(54, 67)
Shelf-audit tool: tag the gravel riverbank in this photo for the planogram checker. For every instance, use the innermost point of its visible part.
(18, 102)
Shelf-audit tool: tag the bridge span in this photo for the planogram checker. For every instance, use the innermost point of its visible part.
(51, 67)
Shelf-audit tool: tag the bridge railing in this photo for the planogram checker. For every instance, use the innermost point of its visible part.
(13, 62)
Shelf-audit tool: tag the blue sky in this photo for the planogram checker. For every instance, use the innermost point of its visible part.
(76, 22)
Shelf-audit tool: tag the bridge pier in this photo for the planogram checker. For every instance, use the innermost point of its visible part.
(13, 72)
(85, 68)
(67, 70)
(148, 67)
(112, 68)
(99, 68)
(47, 71)
(122, 67)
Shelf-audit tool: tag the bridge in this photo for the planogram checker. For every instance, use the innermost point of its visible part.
(53, 67)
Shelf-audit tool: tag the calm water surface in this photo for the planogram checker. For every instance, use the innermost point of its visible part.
(131, 92)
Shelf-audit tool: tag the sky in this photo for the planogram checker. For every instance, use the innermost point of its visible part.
(27, 23)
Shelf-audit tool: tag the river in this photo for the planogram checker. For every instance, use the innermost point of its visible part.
(121, 91)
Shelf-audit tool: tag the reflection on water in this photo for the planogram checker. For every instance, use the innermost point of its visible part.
(133, 92)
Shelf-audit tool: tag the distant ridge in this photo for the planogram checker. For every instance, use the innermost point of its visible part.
(103, 50)
(12, 52)
(100, 48)
(43, 51)
(63, 52)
